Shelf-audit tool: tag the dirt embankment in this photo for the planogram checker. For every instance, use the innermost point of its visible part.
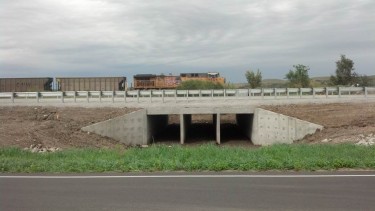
(342, 122)
(54, 127)
(60, 127)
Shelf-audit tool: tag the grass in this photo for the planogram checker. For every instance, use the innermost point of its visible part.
(201, 158)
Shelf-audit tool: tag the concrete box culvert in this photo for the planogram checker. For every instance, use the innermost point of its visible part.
(262, 127)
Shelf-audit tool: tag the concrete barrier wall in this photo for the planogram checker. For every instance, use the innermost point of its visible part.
(185, 95)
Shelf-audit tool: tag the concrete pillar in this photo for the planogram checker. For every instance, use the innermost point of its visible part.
(37, 97)
(138, 96)
(185, 122)
(366, 92)
(100, 96)
(12, 97)
(287, 92)
(175, 96)
(275, 92)
(87, 96)
(162, 94)
(62, 97)
(218, 137)
(313, 91)
(262, 92)
(151, 96)
(125, 96)
(339, 90)
(75, 96)
(212, 94)
(300, 92)
(113, 96)
(326, 92)
(216, 123)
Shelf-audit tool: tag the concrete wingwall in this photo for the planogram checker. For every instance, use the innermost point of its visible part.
(269, 128)
(128, 129)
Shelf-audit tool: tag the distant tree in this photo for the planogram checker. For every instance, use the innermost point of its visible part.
(254, 79)
(345, 74)
(363, 80)
(299, 77)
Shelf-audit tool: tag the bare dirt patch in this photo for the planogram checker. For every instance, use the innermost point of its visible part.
(54, 127)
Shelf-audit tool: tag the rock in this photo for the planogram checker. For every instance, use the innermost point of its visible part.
(326, 140)
(53, 149)
(42, 150)
(144, 146)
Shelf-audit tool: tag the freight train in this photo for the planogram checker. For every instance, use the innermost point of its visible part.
(140, 81)
(91, 84)
(63, 84)
(25, 84)
(149, 81)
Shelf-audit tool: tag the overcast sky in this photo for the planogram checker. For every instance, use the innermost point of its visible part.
(40, 38)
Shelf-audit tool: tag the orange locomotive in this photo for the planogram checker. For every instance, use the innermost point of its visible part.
(210, 76)
(150, 81)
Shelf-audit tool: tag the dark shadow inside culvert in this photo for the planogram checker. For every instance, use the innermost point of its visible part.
(202, 129)
(230, 131)
(171, 133)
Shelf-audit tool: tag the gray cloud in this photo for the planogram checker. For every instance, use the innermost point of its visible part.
(112, 37)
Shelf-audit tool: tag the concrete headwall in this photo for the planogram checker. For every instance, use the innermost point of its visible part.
(263, 127)
(270, 128)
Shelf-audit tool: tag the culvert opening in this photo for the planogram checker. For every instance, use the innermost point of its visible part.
(171, 133)
(202, 128)
(231, 132)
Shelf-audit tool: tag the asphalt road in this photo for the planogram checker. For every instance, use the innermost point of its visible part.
(242, 191)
